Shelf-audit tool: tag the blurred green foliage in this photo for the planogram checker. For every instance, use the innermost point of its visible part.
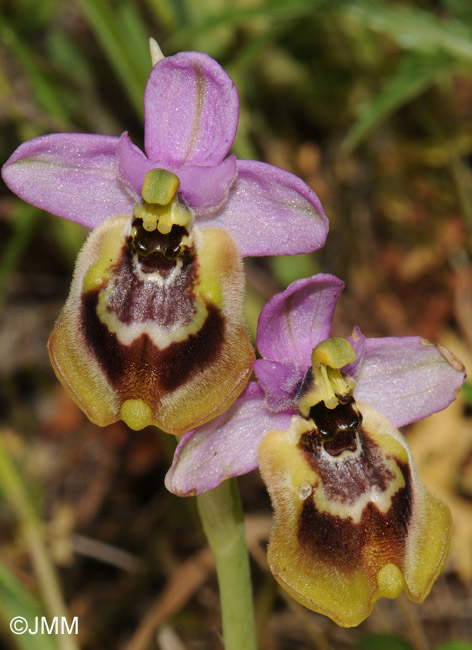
(467, 390)
(389, 642)
(308, 71)
(15, 600)
(382, 642)
(329, 76)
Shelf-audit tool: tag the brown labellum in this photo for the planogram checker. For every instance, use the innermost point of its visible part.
(353, 522)
(153, 329)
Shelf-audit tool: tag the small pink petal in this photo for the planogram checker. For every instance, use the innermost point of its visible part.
(294, 321)
(132, 165)
(357, 340)
(205, 188)
(280, 383)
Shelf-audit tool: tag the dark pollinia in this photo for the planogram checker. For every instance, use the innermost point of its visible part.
(336, 428)
(156, 251)
(345, 417)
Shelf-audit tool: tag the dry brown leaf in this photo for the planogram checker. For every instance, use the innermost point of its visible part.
(183, 583)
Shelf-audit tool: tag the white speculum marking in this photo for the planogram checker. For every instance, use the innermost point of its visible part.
(157, 278)
(161, 336)
(345, 456)
(337, 505)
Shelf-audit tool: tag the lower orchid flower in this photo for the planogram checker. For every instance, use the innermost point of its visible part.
(153, 330)
(353, 521)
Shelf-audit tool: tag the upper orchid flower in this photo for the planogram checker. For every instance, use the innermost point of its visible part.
(353, 522)
(191, 112)
(153, 330)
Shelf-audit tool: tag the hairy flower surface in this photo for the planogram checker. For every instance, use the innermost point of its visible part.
(353, 522)
(153, 330)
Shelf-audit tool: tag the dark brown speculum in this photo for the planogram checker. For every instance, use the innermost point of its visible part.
(346, 417)
(335, 428)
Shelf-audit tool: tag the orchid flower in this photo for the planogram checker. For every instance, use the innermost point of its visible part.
(353, 522)
(153, 331)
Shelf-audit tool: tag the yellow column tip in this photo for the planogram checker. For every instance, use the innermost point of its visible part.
(160, 186)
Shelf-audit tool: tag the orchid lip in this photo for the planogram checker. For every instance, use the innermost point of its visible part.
(351, 516)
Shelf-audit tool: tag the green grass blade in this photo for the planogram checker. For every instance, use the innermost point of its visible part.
(467, 392)
(15, 600)
(381, 642)
(44, 90)
(232, 16)
(68, 56)
(165, 13)
(415, 74)
(18, 499)
(69, 236)
(287, 269)
(137, 37)
(113, 41)
(24, 220)
(412, 28)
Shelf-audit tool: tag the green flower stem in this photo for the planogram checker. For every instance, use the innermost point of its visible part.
(13, 490)
(222, 518)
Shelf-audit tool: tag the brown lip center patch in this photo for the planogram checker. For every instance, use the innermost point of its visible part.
(138, 369)
(345, 544)
(336, 539)
(352, 476)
